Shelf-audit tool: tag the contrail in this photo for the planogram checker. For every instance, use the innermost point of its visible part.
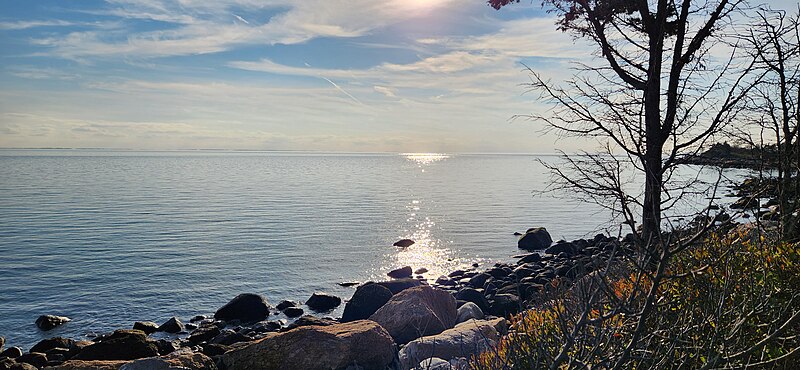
(241, 19)
(342, 90)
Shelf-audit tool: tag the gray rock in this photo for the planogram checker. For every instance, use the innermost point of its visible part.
(245, 307)
(120, 345)
(183, 359)
(203, 334)
(433, 363)
(535, 239)
(464, 340)
(397, 286)
(420, 271)
(366, 300)
(403, 243)
(474, 296)
(48, 322)
(417, 312)
(469, 311)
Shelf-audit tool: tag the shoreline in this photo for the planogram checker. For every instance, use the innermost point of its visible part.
(480, 294)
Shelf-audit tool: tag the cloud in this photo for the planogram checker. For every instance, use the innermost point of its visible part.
(22, 25)
(386, 91)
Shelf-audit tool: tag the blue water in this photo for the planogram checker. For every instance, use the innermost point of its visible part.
(111, 237)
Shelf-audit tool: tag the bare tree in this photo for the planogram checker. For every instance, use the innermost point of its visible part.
(667, 83)
(774, 41)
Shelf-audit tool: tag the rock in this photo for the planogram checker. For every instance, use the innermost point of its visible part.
(564, 247)
(213, 349)
(166, 347)
(535, 239)
(246, 307)
(323, 302)
(11, 352)
(363, 343)
(228, 337)
(34, 358)
(121, 345)
(309, 320)
(397, 286)
(404, 243)
(504, 305)
(349, 283)
(293, 312)
(403, 272)
(198, 318)
(417, 312)
(173, 325)
(183, 359)
(474, 296)
(203, 334)
(477, 281)
(9, 364)
(48, 322)
(469, 311)
(2, 343)
(445, 281)
(88, 365)
(267, 326)
(365, 301)
(285, 304)
(433, 363)
(532, 257)
(56, 342)
(745, 203)
(464, 340)
(148, 327)
(420, 271)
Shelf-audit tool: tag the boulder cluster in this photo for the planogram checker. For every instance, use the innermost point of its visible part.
(401, 323)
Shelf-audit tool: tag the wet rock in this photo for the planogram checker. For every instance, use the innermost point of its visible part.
(478, 280)
(417, 312)
(173, 325)
(48, 322)
(349, 283)
(11, 352)
(121, 345)
(57, 342)
(309, 320)
(293, 312)
(366, 300)
(404, 243)
(536, 238)
(469, 311)
(246, 307)
(2, 343)
(420, 271)
(166, 347)
(203, 334)
(446, 281)
(148, 327)
(456, 274)
(403, 272)
(362, 342)
(398, 285)
(323, 302)
(474, 296)
(285, 304)
(267, 326)
(198, 318)
(464, 340)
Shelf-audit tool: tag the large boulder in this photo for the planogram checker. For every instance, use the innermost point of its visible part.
(323, 302)
(183, 359)
(57, 342)
(48, 322)
(362, 343)
(88, 365)
(246, 307)
(402, 272)
(366, 300)
(148, 327)
(464, 340)
(536, 238)
(121, 345)
(417, 312)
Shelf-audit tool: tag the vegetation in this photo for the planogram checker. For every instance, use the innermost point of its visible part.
(729, 301)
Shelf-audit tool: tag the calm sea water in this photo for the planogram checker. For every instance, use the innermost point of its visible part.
(111, 237)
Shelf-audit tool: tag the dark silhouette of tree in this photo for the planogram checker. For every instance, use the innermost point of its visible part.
(657, 96)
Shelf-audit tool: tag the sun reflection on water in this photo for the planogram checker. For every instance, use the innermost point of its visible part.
(425, 158)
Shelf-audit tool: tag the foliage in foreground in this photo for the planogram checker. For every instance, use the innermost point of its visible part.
(730, 301)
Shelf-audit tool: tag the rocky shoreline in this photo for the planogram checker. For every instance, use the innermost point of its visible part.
(404, 322)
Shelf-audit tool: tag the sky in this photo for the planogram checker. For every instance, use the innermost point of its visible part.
(333, 75)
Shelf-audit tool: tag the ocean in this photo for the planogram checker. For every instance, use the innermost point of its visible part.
(112, 237)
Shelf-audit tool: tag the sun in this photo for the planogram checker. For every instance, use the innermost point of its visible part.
(411, 5)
